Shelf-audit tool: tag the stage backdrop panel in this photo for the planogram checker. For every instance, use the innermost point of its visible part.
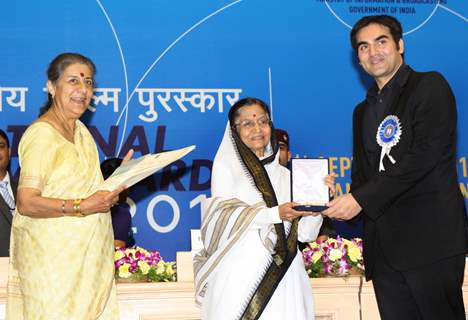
(168, 72)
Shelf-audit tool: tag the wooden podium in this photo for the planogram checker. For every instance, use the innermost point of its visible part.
(335, 298)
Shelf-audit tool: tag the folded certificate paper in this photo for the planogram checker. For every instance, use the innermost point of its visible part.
(136, 170)
(307, 184)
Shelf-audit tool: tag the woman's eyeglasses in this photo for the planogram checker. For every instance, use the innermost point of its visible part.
(248, 124)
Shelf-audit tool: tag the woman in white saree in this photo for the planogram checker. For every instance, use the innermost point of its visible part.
(250, 267)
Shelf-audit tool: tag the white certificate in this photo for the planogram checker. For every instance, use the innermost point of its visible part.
(136, 170)
(307, 183)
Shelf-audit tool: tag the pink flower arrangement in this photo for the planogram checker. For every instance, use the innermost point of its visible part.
(138, 264)
(335, 257)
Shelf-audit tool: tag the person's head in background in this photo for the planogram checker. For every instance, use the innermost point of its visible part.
(283, 142)
(4, 154)
(108, 167)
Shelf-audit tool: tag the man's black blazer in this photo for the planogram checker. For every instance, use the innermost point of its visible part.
(5, 223)
(414, 208)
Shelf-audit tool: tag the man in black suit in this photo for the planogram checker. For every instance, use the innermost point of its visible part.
(404, 181)
(7, 195)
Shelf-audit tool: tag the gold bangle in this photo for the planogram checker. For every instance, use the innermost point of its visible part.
(77, 209)
(63, 208)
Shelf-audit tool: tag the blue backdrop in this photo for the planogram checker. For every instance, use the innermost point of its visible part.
(169, 70)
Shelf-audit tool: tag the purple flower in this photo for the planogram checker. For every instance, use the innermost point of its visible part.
(327, 268)
(324, 259)
(307, 256)
(344, 267)
(119, 262)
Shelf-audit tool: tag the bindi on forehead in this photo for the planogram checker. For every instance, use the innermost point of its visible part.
(254, 115)
(82, 74)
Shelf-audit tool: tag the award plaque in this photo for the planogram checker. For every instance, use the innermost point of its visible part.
(307, 184)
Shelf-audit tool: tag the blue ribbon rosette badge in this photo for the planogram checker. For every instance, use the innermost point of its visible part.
(388, 135)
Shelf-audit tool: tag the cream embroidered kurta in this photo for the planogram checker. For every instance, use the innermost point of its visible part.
(61, 268)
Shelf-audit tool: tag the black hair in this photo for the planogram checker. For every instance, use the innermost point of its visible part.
(4, 136)
(387, 21)
(56, 68)
(108, 166)
(234, 112)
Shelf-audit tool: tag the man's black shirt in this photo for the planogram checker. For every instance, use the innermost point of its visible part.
(378, 103)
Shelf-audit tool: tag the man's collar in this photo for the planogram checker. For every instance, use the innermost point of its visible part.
(400, 78)
(6, 178)
(402, 75)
